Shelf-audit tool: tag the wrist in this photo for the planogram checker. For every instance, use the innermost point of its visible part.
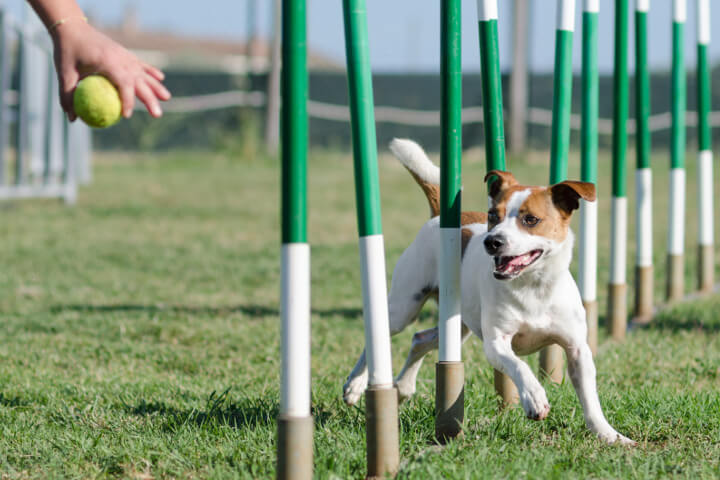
(65, 24)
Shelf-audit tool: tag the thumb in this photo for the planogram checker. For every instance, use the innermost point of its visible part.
(68, 80)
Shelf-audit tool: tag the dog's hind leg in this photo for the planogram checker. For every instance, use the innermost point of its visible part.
(422, 343)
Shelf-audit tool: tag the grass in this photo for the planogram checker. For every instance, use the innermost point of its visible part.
(140, 335)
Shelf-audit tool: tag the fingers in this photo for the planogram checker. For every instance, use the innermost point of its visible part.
(148, 97)
(156, 73)
(68, 80)
(158, 89)
(127, 97)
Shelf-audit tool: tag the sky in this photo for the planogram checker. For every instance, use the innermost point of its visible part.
(404, 34)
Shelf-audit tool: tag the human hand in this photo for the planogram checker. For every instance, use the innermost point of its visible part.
(81, 50)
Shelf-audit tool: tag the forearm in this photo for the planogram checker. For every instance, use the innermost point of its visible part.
(53, 11)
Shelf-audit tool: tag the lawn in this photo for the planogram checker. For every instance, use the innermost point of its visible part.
(140, 336)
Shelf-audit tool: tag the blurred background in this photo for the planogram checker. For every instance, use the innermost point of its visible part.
(220, 58)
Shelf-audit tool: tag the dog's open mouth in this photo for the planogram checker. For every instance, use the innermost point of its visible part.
(507, 267)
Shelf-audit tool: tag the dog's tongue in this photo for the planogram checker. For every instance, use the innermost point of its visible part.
(512, 264)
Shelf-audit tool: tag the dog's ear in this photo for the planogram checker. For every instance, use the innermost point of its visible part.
(566, 195)
(502, 181)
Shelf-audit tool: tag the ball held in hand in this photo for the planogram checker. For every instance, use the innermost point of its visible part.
(97, 101)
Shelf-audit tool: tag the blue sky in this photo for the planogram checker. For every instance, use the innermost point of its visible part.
(404, 34)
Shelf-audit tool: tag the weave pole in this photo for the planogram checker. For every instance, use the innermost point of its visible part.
(676, 233)
(381, 402)
(450, 373)
(587, 273)
(551, 357)
(644, 284)
(617, 288)
(494, 128)
(295, 424)
(706, 241)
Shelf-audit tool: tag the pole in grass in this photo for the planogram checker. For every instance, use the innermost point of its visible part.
(450, 373)
(587, 273)
(551, 357)
(676, 232)
(617, 288)
(381, 406)
(295, 424)
(643, 174)
(706, 260)
(494, 129)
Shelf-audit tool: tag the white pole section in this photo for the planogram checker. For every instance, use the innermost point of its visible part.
(375, 306)
(643, 187)
(450, 348)
(618, 243)
(295, 317)
(588, 251)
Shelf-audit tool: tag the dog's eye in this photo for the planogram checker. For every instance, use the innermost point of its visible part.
(493, 216)
(530, 220)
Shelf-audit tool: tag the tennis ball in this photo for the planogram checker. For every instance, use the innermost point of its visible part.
(97, 101)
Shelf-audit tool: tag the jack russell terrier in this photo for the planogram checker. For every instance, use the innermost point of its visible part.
(517, 292)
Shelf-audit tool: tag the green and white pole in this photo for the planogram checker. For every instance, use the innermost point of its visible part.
(617, 289)
(381, 396)
(494, 128)
(551, 358)
(644, 284)
(295, 424)
(587, 274)
(706, 257)
(676, 231)
(450, 374)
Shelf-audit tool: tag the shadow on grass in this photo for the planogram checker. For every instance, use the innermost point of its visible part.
(248, 310)
(247, 413)
(12, 401)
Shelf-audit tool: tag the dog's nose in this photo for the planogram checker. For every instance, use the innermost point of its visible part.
(493, 244)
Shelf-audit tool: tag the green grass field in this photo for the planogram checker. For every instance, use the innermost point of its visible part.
(140, 336)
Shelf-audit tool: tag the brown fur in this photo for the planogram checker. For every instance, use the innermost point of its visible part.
(432, 193)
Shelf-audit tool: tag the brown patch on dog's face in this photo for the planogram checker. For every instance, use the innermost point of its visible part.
(538, 215)
(497, 212)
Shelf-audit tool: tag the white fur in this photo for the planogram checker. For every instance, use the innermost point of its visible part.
(414, 158)
(514, 317)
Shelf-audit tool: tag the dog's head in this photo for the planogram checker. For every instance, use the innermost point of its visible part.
(526, 225)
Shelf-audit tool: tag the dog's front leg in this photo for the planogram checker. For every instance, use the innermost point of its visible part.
(582, 373)
(356, 382)
(499, 352)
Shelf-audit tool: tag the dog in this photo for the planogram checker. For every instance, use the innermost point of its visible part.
(518, 294)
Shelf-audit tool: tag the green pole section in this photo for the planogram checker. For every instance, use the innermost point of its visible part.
(492, 95)
(642, 91)
(294, 124)
(562, 98)
(367, 185)
(451, 114)
(620, 96)
(4, 84)
(677, 140)
(588, 128)
(704, 98)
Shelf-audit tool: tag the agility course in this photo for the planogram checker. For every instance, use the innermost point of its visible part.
(381, 403)
(156, 329)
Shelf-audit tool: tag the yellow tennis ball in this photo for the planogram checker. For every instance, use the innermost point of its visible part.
(97, 101)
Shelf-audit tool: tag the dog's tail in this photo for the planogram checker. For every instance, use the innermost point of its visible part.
(423, 170)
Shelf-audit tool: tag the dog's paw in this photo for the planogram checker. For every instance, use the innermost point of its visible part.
(615, 438)
(405, 390)
(353, 389)
(535, 403)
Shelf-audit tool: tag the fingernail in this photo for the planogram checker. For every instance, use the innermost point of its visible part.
(156, 111)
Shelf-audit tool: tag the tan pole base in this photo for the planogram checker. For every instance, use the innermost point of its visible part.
(449, 400)
(382, 432)
(706, 268)
(617, 311)
(295, 448)
(675, 287)
(505, 387)
(552, 364)
(643, 294)
(591, 317)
